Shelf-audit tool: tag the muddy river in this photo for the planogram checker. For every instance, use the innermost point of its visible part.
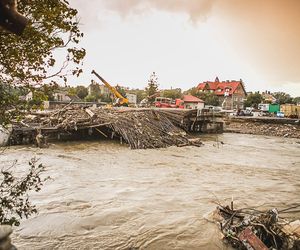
(105, 196)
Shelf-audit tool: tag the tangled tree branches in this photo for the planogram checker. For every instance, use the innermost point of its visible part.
(253, 229)
(14, 200)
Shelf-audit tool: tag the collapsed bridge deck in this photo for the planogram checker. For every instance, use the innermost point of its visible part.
(140, 128)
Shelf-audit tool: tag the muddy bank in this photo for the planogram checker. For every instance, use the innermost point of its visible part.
(105, 196)
(248, 126)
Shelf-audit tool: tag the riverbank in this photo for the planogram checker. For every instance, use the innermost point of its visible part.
(289, 128)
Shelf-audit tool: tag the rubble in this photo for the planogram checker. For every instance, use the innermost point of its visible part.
(249, 228)
(259, 128)
(140, 129)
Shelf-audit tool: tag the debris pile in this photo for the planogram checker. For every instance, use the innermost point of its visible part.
(258, 128)
(258, 230)
(179, 118)
(141, 129)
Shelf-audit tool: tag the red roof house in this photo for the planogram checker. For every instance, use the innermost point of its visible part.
(192, 102)
(233, 90)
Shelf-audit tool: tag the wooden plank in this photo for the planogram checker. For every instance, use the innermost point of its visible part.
(251, 241)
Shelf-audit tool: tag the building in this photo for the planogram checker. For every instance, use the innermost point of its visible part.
(268, 97)
(231, 94)
(62, 96)
(192, 102)
(104, 91)
(132, 98)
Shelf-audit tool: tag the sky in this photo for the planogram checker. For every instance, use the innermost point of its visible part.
(190, 41)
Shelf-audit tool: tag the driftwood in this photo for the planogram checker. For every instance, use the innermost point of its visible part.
(140, 129)
(250, 228)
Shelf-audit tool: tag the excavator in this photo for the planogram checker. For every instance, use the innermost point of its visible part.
(119, 99)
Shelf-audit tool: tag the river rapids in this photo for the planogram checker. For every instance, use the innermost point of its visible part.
(103, 195)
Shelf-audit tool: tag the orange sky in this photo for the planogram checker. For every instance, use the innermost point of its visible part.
(190, 41)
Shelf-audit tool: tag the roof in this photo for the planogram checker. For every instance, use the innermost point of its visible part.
(190, 98)
(220, 87)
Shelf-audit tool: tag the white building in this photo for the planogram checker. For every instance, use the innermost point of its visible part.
(132, 98)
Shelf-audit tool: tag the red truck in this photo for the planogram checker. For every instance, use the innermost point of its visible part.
(163, 102)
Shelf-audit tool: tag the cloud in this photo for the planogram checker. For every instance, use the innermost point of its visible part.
(196, 9)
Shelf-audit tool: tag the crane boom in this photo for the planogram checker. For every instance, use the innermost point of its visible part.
(122, 100)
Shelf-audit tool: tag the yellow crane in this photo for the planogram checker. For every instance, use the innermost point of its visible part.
(120, 100)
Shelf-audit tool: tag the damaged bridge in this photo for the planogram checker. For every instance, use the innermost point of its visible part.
(140, 128)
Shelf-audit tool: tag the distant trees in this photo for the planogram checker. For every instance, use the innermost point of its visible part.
(209, 98)
(29, 60)
(152, 87)
(282, 97)
(121, 91)
(81, 92)
(296, 100)
(172, 93)
(253, 99)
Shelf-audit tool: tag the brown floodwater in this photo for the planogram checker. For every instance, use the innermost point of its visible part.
(105, 196)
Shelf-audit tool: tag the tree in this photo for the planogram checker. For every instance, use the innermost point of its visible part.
(282, 98)
(193, 91)
(29, 60)
(14, 200)
(95, 90)
(152, 87)
(90, 98)
(253, 99)
(172, 93)
(121, 91)
(296, 100)
(81, 92)
(9, 100)
(209, 98)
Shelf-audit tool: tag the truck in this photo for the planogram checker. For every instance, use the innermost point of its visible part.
(164, 102)
(290, 110)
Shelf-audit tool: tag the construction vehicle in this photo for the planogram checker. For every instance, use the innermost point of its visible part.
(145, 101)
(163, 102)
(119, 99)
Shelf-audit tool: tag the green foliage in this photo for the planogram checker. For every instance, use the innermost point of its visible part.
(296, 100)
(90, 98)
(29, 60)
(152, 87)
(253, 100)
(10, 105)
(140, 94)
(121, 91)
(282, 98)
(14, 200)
(71, 91)
(105, 98)
(95, 90)
(81, 92)
(209, 98)
(193, 91)
(172, 93)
